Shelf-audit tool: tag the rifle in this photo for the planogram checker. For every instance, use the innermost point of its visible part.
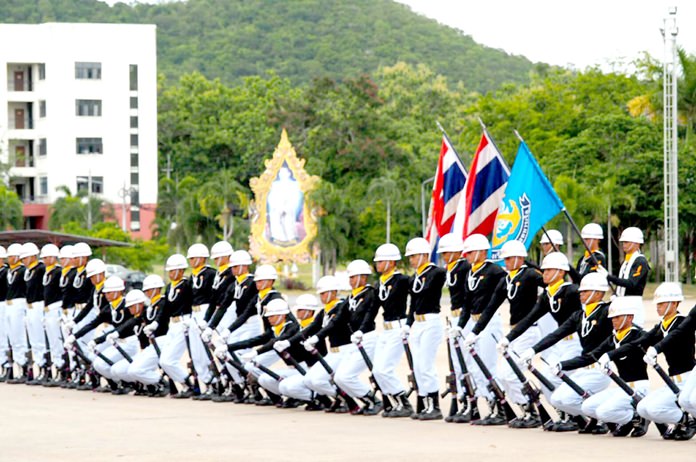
(451, 382)
(345, 397)
(493, 386)
(172, 385)
(47, 356)
(122, 352)
(287, 357)
(582, 393)
(635, 397)
(368, 363)
(467, 384)
(412, 375)
(533, 394)
(268, 371)
(196, 384)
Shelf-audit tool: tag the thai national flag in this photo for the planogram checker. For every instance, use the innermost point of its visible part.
(448, 189)
(485, 189)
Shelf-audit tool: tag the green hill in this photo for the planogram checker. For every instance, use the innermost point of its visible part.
(299, 39)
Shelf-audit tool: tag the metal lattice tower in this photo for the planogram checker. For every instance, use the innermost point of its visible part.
(671, 180)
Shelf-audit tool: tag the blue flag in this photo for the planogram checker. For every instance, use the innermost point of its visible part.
(529, 203)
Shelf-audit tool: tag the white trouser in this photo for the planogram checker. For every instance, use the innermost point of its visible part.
(227, 318)
(591, 379)
(424, 341)
(486, 349)
(87, 319)
(388, 353)
(639, 317)
(200, 358)
(266, 359)
(4, 339)
(613, 405)
(35, 330)
(546, 324)
(687, 398)
(116, 371)
(348, 374)
(274, 386)
(144, 368)
(173, 351)
(660, 405)
(251, 328)
(293, 384)
(16, 329)
(506, 376)
(318, 380)
(567, 348)
(53, 332)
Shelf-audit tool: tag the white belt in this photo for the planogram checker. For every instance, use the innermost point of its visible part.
(389, 325)
(55, 305)
(15, 300)
(197, 308)
(37, 304)
(338, 349)
(427, 317)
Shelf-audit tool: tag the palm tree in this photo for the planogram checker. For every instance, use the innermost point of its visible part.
(11, 209)
(76, 209)
(386, 188)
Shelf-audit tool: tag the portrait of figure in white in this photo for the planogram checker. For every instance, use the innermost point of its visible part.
(284, 206)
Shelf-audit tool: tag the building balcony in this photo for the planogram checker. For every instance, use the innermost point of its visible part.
(21, 96)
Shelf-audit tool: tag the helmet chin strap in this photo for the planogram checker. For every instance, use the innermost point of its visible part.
(622, 323)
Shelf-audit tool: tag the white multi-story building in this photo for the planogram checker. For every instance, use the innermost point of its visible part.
(79, 109)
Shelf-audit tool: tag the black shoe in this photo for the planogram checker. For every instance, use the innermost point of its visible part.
(493, 419)
(207, 396)
(22, 378)
(120, 391)
(640, 428)
(338, 406)
(290, 403)
(314, 405)
(623, 430)
(420, 407)
(184, 394)
(564, 426)
(432, 410)
(372, 405)
(403, 407)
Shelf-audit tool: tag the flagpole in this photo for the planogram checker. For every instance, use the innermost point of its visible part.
(449, 141)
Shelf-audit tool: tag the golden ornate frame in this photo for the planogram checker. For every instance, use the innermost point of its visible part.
(260, 247)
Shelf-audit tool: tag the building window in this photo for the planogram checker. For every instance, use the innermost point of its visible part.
(43, 147)
(134, 102)
(134, 77)
(134, 121)
(91, 71)
(42, 108)
(134, 140)
(42, 71)
(134, 159)
(97, 184)
(88, 107)
(135, 196)
(89, 146)
(43, 186)
(134, 178)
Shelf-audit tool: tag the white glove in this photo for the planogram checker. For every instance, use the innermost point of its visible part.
(225, 334)
(470, 339)
(203, 324)
(503, 344)
(557, 369)
(150, 328)
(604, 361)
(92, 346)
(207, 334)
(454, 332)
(310, 342)
(249, 355)
(356, 337)
(221, 351)
(70, 325)
(112, 337)
(602, 270)
(186, 322)
(650, 356)
(69, 341)
(405, 329)
(527, 355)
(281, 345)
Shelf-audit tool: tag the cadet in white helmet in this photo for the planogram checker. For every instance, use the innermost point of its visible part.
(94, 276)
(82, 289)
(393, 295)
(34, 271)
(619, 352)
(424, 327)
(674, 337)
(67, 277)
(551, 241)
(5, 366)
(593, 327)
(634, 271)
(16, 306)
(53, 300)
(592, 234)
(221, 252)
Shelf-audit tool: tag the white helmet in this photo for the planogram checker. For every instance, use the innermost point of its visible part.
(450, 242)
(592, 231)
(134, 297)
(387, 252)
(113, 284)
(221, 249)
(14, 250)
(307, 302)
(240, 257)
(94, 266)
(476, 242)
(328, 284)
(66, 251)
(358, 267)
(554, 234)
(275, 307)
(49, 250)
(594, 281)
(417, 246)
(176, 262)
(153, 281)
(198, 250)
(3, 252)
(631, 234)
(621, 306)
(81, 250)
(555, 260)
(669, 292)
(29, 249)
(265, 273)
(513, 249)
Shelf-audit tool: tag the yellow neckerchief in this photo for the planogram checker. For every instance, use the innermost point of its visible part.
(156, 298)
(305, 322)
(65, 270)
(452, 265)
(513, 273)
(197, 270)
(50, 268)
(667, 321)
(553, 288)
(264, 292)
(33, 264)
(80, 269)
(98, 286)
(628, 256)
(116, 302)
(477, 266)
(241, 278)
(383, 278)
(355, 292)
(279, 328)
(329, 306)
(175, 282)
(590, 308)
(223, 268)
(15, 266)
(620, 335)
(422, 268)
